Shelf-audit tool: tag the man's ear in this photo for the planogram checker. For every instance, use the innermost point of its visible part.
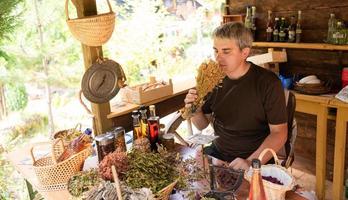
(246, 52)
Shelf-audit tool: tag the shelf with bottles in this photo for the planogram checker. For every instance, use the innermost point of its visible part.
(311, 46)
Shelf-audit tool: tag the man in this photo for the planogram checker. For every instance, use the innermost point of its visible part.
(247, 110)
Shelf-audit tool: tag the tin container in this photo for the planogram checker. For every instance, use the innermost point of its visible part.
(105, 145)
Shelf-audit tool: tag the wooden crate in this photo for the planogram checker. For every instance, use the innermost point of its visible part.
(137, 94)
(270, 57)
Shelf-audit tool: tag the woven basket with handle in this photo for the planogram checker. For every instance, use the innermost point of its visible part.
(55, 176)
(164, 194)
(93, 30)
(274, 191)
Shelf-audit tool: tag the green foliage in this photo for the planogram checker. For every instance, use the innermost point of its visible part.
(9, 17)
(16, 96)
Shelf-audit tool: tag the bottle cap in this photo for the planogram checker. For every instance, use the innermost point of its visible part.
(256, 163)
(88, 131)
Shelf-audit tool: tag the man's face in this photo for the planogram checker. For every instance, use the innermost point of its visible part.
(228, 55)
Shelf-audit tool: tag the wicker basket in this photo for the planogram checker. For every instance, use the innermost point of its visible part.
(274, 191)
(52, 175)
(164, 194)
(63, 134)
(312, 89)
(93, 30)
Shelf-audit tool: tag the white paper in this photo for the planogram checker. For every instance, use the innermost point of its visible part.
(201, 139)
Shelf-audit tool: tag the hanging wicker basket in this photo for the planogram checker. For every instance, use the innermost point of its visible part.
(93, 30)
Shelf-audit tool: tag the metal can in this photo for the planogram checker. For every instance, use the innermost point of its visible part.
(120, 143)
(168, 141)
(105, 145)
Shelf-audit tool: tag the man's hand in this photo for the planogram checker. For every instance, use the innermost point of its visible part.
(240, 163)
(190, 98)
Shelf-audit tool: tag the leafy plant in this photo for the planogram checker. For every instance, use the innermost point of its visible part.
(16, 95)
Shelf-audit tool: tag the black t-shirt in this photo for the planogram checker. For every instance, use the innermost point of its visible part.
(242, 110)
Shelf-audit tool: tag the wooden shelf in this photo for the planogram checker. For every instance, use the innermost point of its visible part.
(315, 46)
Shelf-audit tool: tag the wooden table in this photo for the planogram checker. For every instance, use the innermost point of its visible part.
(317, 105)
(340, 146)
(21, 161)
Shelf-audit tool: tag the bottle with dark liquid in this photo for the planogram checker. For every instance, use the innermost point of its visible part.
(143, 122)
(276, 30)
(257, 191)
(282, 31)
(136, 125)
(269, 29)
(298, 28)
(154, 127)
(77, 145)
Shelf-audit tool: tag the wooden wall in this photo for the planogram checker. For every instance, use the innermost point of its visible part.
(326, 64)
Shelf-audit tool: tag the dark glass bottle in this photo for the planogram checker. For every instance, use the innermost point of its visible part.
(276, 30)
(282, 31)
(269, 28)
(292, 30)
(298, 27)
(257, 191)
(136, 125)
(154, 127)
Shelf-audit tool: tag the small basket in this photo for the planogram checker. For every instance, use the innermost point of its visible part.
(55, 176)
(312, 89)
(274, 191)
(64, 134)
(93, 30)
(164, 194)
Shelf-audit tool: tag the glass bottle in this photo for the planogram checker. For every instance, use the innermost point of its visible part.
(77, 145)
(248, 20)
(269, 29)
(257, 191)
(282, 33)
(253, 21)
(332, 24)
(154, 127)
(143, 122)
(276, 30)
(136, 125)
(298, 27)
(339, 37)
(292, 30)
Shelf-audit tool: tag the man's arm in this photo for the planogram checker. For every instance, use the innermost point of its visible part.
(200, 120)
(275, 140)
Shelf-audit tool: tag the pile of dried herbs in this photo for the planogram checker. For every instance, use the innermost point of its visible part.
(82, 182)
(150, 170)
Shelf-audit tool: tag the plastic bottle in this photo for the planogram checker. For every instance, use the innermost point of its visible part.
(77, 145)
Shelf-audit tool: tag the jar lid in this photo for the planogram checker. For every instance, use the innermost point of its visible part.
(168, 136)
(105, 139)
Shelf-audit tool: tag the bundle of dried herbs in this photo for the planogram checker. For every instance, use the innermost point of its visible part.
(117, 158)
(142, 144)
(149, 170)
(83, 181)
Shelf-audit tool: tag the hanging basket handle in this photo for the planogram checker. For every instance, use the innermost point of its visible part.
(67, 9)
(45, 144)
(273, 153)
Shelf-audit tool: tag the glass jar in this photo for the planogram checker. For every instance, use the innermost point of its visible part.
(105, 145)
(168, 141)
(119, 133)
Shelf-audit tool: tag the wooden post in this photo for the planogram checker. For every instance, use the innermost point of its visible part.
(90, 55)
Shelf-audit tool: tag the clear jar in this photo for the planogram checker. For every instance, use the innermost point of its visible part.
(119, 133)
(105, 145)
(168, 141)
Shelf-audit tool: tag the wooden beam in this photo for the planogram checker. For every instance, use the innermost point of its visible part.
(310, 46)
(90, 55)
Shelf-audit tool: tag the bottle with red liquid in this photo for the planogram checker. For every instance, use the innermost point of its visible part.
(77, 145)
(344, 77)
(257, 191)
(154, 127)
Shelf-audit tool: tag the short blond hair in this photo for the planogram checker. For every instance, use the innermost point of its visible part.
(236, 31)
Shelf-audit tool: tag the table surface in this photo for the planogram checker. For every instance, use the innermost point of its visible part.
(22, 162)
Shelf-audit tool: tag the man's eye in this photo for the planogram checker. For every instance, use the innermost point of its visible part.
(226, 52)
